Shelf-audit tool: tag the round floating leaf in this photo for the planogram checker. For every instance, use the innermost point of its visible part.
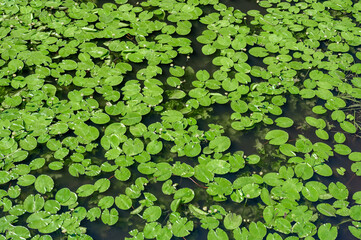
(322, 134)
(181, 227)
(98, 52)
(283, 225)
(208, 49)
(348, 127)
(239, 106)
(304, 170)
(314, 122)
(93, 214)
(4, 177)
(310, 191)
(85, 190)
(355, 212)
(192, 149)
(284, 122)
(307, 93)
(172, 116)
(176, 94)
(258, 52)
(232, 221)
(288, 150)
(44, 184)
(220, 144)
(339, 137)
(355, 156)
(184, 194)
(251, 190)
(202, 75)
(323, 170)
(131, 118)
(113, 80)
(33, 203)
(63, 195)
(56, 165)
(110, 217)
(183, 27)
(154, 147)
(152, 213)
(101, 185)
(123, 202)
(151, 230)
(28, 143)
(203, 174)
(342, 149)
(327, 232)
(218, 166)
(106, 202)
(68, 65)
(277, 137)
(253, 159)
(133, 147)
(338, 116)
(122, 174)
(24, 180)
(326, 209)
(52, 206)
(356, 168)
(217, 234)
(100, 118)
(176, 71)
(338, 190)
(319, 110)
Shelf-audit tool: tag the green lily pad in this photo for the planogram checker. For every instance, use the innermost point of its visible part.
(184, 194)
(152, 213)
(277, 137)
(154, 147)
(110, 217)
(123, 202)
(355, 156)
(68, 65)
(326, 209)
(327, 232)
(258, 52)
(348, 127)
(218, 166)
(284, 122)
(217, 234)
(355, 212)
(44, 184)
(232, 221)
(100, 118)
(85, 190)
(192, 149)
(133, 147)
(220, 144)
(172, 116)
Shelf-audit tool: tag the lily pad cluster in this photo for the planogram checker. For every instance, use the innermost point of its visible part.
(108, 98)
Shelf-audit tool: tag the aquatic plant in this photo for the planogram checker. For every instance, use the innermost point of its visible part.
(108, 116)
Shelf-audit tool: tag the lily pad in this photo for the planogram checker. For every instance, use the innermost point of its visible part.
(277, 137)
(220, 144)
(44, 184)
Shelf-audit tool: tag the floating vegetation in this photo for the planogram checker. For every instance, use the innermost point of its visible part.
(113, 116)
